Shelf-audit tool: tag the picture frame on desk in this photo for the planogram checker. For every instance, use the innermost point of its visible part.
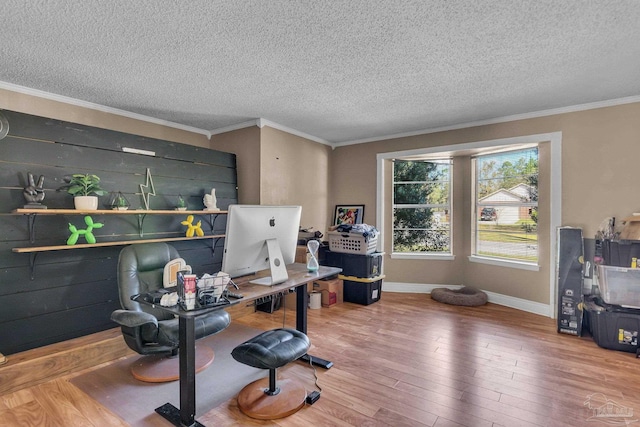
(348, 214)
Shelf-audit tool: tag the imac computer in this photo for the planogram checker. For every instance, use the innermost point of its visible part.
(261, 237)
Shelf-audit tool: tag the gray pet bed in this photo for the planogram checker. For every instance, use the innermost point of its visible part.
(465, 296)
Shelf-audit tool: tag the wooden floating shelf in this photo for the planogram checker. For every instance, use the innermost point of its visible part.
(141, 214)
(114, 243)
(23, 211)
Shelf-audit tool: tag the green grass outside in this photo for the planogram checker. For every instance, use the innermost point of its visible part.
(505, 234)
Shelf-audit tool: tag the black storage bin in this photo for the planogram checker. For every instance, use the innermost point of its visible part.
(269, 304)
(354, 265)
(619, 252)
(612, 327)
(363, 291)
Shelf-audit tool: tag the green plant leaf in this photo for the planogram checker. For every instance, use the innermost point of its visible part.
(85, 185)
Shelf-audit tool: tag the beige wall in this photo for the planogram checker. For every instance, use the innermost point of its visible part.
(245, 144)
(295, 171)
(278, 168)
(599, 179)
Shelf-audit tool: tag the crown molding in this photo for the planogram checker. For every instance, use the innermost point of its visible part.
(261, 122)
(524, 116)
(264, 122)
(231, 128)
(92, 106)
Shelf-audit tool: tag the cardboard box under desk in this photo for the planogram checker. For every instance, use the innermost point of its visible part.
(290, 298)
(332, 286)
(332, 291)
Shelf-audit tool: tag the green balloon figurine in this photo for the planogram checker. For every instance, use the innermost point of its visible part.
(87, 233)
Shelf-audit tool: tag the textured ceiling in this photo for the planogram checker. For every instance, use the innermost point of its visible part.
(338, 71)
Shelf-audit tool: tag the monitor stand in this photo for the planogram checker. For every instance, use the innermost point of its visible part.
(276, 264)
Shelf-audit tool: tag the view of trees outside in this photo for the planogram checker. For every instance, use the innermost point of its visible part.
(507, 205)
(421, 206)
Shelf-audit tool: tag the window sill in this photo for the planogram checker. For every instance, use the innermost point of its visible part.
(418, 256)
(504, 263)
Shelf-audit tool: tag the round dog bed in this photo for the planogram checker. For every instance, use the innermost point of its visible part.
(465, 296)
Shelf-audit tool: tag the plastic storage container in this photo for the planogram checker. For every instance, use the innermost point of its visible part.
(369, 265)
(352, 243)
(360, 290)
(619, 285)
(613, 327)
(620, 252)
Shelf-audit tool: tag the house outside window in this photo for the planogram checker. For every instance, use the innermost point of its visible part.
(422, 206)
(506, 205)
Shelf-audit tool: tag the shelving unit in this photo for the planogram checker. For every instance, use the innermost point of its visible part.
(140, 213)
(32, 214)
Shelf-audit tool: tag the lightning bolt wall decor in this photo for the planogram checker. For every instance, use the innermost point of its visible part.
(151, 192)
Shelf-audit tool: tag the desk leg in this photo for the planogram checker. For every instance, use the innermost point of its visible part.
(185, 416)
(187, 370)
(302, 301)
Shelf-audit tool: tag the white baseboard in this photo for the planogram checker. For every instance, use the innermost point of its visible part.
(506, 300)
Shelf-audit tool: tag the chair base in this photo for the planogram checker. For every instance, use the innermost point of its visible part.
(156, 368)
(255, 403)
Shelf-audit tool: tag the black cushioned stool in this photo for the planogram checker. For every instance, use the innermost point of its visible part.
(264, 399)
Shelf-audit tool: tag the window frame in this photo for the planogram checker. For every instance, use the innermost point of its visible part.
(477, 205)
(448, 207)
(383, 180)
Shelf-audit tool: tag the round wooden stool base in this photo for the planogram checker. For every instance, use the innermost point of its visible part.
(155, 368)
(255, 403)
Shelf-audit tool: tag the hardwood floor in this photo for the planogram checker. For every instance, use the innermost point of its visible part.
(410, 361)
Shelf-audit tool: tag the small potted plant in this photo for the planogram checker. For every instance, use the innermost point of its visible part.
(85, 189)
(181, 205)
(119, 202)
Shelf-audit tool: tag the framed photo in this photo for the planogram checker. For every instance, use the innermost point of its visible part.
(348, 214)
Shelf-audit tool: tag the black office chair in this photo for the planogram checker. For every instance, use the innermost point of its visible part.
(151, 331)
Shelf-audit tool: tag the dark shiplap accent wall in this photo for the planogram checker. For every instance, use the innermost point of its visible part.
(73, 292)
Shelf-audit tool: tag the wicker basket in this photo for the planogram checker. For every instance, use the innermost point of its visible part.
(352, 243)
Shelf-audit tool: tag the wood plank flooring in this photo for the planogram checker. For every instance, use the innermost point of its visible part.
(410, 361)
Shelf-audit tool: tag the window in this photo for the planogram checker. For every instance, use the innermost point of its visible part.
(506, 205)
(422, 206)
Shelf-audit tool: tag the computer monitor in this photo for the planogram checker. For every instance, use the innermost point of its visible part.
(261, 237)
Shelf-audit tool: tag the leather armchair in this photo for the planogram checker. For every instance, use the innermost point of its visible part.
(149, 330)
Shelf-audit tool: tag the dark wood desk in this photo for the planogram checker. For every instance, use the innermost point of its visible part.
(299, 276)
